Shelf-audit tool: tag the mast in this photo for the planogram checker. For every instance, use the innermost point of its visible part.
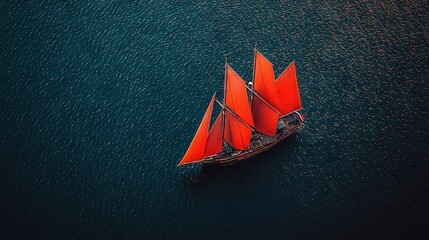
(254, 68)
(223, 103)
(224, 81)
(253, 76)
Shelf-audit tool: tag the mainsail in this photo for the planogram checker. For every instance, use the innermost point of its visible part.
(265, 117)
(264, 82)
(236, 96)
(287, 86)
(266, 101)
(236, 134)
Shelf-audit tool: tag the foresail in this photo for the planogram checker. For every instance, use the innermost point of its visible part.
(287, 86)
(214, 140)
(195, 151)
(236, 96)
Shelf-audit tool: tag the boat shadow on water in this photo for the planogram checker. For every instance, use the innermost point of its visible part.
(202, 177)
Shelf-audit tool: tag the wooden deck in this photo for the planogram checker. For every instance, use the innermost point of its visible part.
(292, 123)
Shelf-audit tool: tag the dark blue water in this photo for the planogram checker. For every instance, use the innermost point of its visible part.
(100, 99)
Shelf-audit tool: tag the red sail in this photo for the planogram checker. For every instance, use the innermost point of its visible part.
(236, 96)
(196, 149)
(214, 140)
(287, 86)
(265, 117)
(236, 133)
(264, 82)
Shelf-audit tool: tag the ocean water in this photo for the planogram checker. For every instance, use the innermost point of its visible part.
(99, 101)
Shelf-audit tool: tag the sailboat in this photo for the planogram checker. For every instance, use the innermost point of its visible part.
(245, 128)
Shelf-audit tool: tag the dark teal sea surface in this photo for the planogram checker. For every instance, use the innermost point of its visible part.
(100, 99)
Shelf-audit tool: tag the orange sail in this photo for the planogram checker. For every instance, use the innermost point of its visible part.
(196, 149)
(214, 140)
(236, 96)
(236, 133)
(265, 117)
(264, 82)
(287, 86)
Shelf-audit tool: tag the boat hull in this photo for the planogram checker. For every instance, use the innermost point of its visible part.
(283, 133)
